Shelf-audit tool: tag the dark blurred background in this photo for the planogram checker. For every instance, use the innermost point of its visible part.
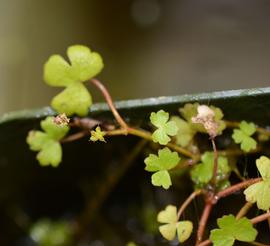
(150, 47)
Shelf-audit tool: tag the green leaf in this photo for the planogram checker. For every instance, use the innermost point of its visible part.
(263, 165)
(165, 128)
(75, 99)
(248, 128)
(190, 110)
(97, 135)
(162, 178)
(83, 66)
(47, 142)
(50, 154)
(202, 173)
(260, 192)
(168, 215)
(53, 130)
(184, 230)
(185, 133)
(232, 229)
(168, 231)
(242, 136)
(165, 160)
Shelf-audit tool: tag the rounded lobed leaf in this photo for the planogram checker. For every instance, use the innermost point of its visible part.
(84, 65)
(184, 230)
(168, 215)
(168, 231)
(75, 99)
(162, 178)
(165, 128)
(232, 229)
(263, 165)
(51, 154)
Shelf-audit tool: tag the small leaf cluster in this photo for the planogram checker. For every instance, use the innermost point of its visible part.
(232, 229)
(47, 143)
(260, 192)
(172, 226)
(187, 129)
(243, 135)
(160, 165)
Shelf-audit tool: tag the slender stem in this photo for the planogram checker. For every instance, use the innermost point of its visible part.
(243, 211)
(260, 218)
(75, 136)
(110, 103)
(203, 221)
(215, 169)
(147, 135)
(187, 202)
(236, 187)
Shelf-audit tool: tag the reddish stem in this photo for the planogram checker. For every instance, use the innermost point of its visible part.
(110, 103)
(235, 188)
(203, 221)
(187, 202)
(260, 218)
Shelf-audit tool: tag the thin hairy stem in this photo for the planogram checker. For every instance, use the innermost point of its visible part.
(187, 202)
(110, 103)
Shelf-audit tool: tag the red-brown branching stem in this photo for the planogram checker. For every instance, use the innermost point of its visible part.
(211, 201)
(187, 202)
(110, 103)
(236, 187)
(203, 221)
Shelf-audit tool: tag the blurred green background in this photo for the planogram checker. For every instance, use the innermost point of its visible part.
(150, 47)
